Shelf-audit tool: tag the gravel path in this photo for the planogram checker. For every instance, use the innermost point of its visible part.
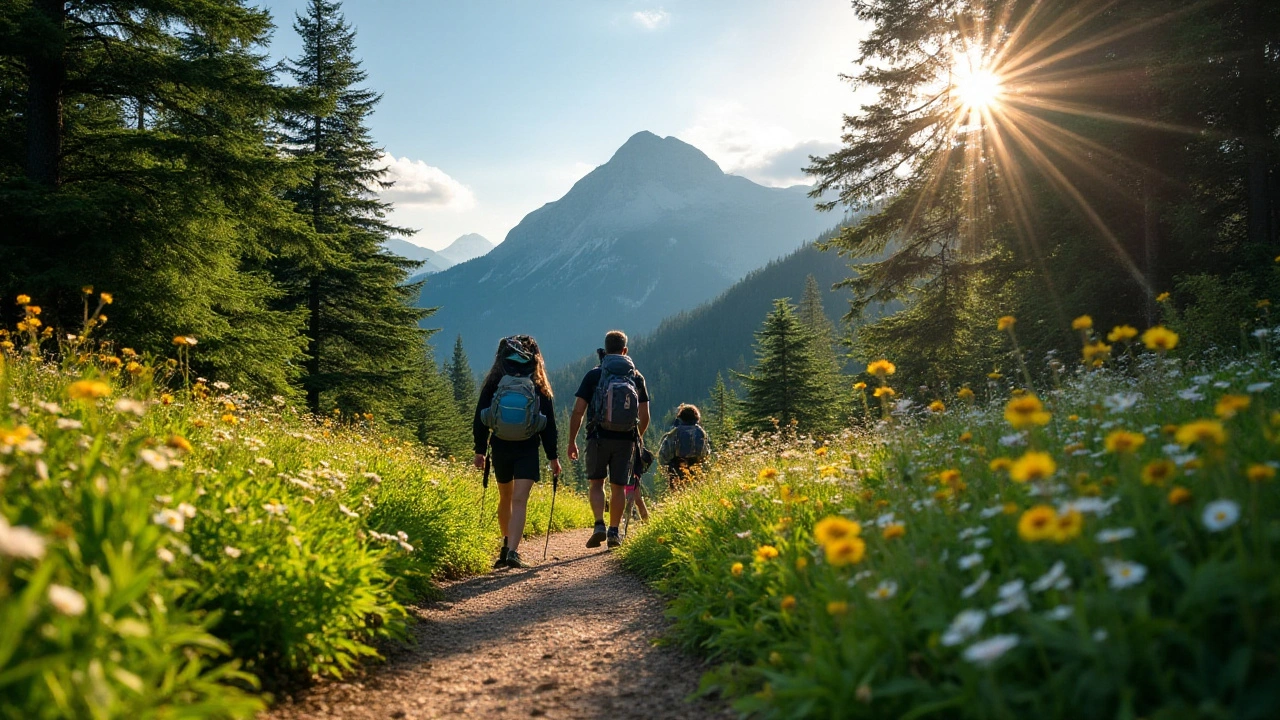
(572, 638)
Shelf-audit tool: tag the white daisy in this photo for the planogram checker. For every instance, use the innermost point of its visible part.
(171, 519)
(20, 542)
(1258, 387)
(231, 552)
(973, 588)
(969, 561)
(965, 625)
(1220, 515)
(1114, 535)
(1060, 613)
(988, 651)
(66, 600)
(884, 591)
(1055, 578)
(1123, 573)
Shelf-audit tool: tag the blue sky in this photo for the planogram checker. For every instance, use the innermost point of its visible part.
(491, 109)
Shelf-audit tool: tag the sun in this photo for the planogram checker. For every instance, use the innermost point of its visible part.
(976, 89)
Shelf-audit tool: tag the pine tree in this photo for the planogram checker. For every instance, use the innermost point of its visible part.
(462, 380)
(720, 413)
(787, 382)
(363, 339)
(430, 413)
(813, 317)
(135, 157)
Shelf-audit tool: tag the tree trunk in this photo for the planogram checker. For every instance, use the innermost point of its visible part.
(1256, 137)
(313, 346)
(46, 72)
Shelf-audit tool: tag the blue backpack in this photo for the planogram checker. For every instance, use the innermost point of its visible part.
(514, 413)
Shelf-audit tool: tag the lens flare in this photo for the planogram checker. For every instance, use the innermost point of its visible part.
(977, 89)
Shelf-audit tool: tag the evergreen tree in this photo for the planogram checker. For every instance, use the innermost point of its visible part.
(787, 382)
(720, 412)
(462, 380)
(364, 345)
(135, 157)
(813, 317)
(430, 413)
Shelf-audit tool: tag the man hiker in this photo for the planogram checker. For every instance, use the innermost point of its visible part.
(615, 402)
(685, 447)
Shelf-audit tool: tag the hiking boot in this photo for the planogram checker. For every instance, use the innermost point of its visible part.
(614, 540)
(501, 562)
(514, 561)
(597, 537)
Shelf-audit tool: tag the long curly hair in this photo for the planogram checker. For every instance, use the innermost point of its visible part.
(497, 370)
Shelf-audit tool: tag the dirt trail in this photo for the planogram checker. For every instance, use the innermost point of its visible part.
(571, 639)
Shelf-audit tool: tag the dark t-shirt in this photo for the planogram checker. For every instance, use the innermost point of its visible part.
(588, 388)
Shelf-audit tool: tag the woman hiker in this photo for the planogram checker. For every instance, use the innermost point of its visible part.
(513, 416)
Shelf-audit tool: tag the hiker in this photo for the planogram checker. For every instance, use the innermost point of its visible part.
(513, 415)
(616, 404)
(685, 446)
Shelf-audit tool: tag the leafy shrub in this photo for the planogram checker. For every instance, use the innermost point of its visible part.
(1110, 556)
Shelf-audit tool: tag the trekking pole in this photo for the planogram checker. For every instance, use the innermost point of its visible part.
(555, 485)
(626, 508)
(484, 484)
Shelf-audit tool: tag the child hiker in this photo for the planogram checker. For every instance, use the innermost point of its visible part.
(514, 414)
(685, 447)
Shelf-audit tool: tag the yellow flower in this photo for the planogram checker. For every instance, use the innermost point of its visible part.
(881, 368)
(1157, 472)
(1084, 322)
(1162, 297)
(885, 391)
(166, 399)
(1123, 441)
(33, 309)
(230, 419)
(788, 603)
(1096, 352)
(1229, 405)
(949, 476)
(1264, 303)
(24, 299)
(894, 530)
(1025, 411)
(848, 551)
(836, 608)
(1033, 465)
(994, 375)
(768, 473)
(1179, 495)
(765, 553)
(833, 528)
(1201, 431)
(965, 437)
(725, 502)
(134, 367)
(1122, 333)
(965, 394)
(736, 569)
(820, 451)
(1000, 463)
(802, 562)
(937, 406)
(88, 390)
(1258, 472)
(1009, 508)
(1160, 338)
(1038, 523)
(859, 386)
(106, 298)
(1067, 526)
(1005, 323)
(177, 442)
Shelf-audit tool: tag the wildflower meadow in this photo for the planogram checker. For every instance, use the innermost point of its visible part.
(170, 547)
(1078, 539)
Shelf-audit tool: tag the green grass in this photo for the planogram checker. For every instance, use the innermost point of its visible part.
(169, 553)
(1141, 603)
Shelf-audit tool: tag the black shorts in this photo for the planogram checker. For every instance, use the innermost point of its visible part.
(610, 458)
(508, 466)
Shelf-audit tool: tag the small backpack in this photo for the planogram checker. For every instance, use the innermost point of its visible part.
(514, 413)
(615, 406)
(691, 443)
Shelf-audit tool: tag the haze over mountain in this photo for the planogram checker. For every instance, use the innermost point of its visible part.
(657, 229)
(467, 247)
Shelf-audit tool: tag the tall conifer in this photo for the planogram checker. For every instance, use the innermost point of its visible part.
(787, 382)
(463, 382)
(364, 345)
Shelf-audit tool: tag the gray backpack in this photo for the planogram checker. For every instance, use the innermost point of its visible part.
(615, 405)
(685, 442)
(514, 413)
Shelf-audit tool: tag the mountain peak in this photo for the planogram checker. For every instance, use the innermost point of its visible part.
(466, 247)
(647, 154)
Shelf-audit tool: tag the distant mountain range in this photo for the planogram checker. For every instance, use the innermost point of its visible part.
(465, 248)
(681, 357)
(657, 229)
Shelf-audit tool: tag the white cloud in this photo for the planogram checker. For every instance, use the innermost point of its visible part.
(651, 19)
(745, 145)
(422, 185)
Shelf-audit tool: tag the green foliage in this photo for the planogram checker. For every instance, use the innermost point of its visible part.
(199, 536)
(461, 379)
(995, 210)
(945, 527)
(720, 412)
(790, 383)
